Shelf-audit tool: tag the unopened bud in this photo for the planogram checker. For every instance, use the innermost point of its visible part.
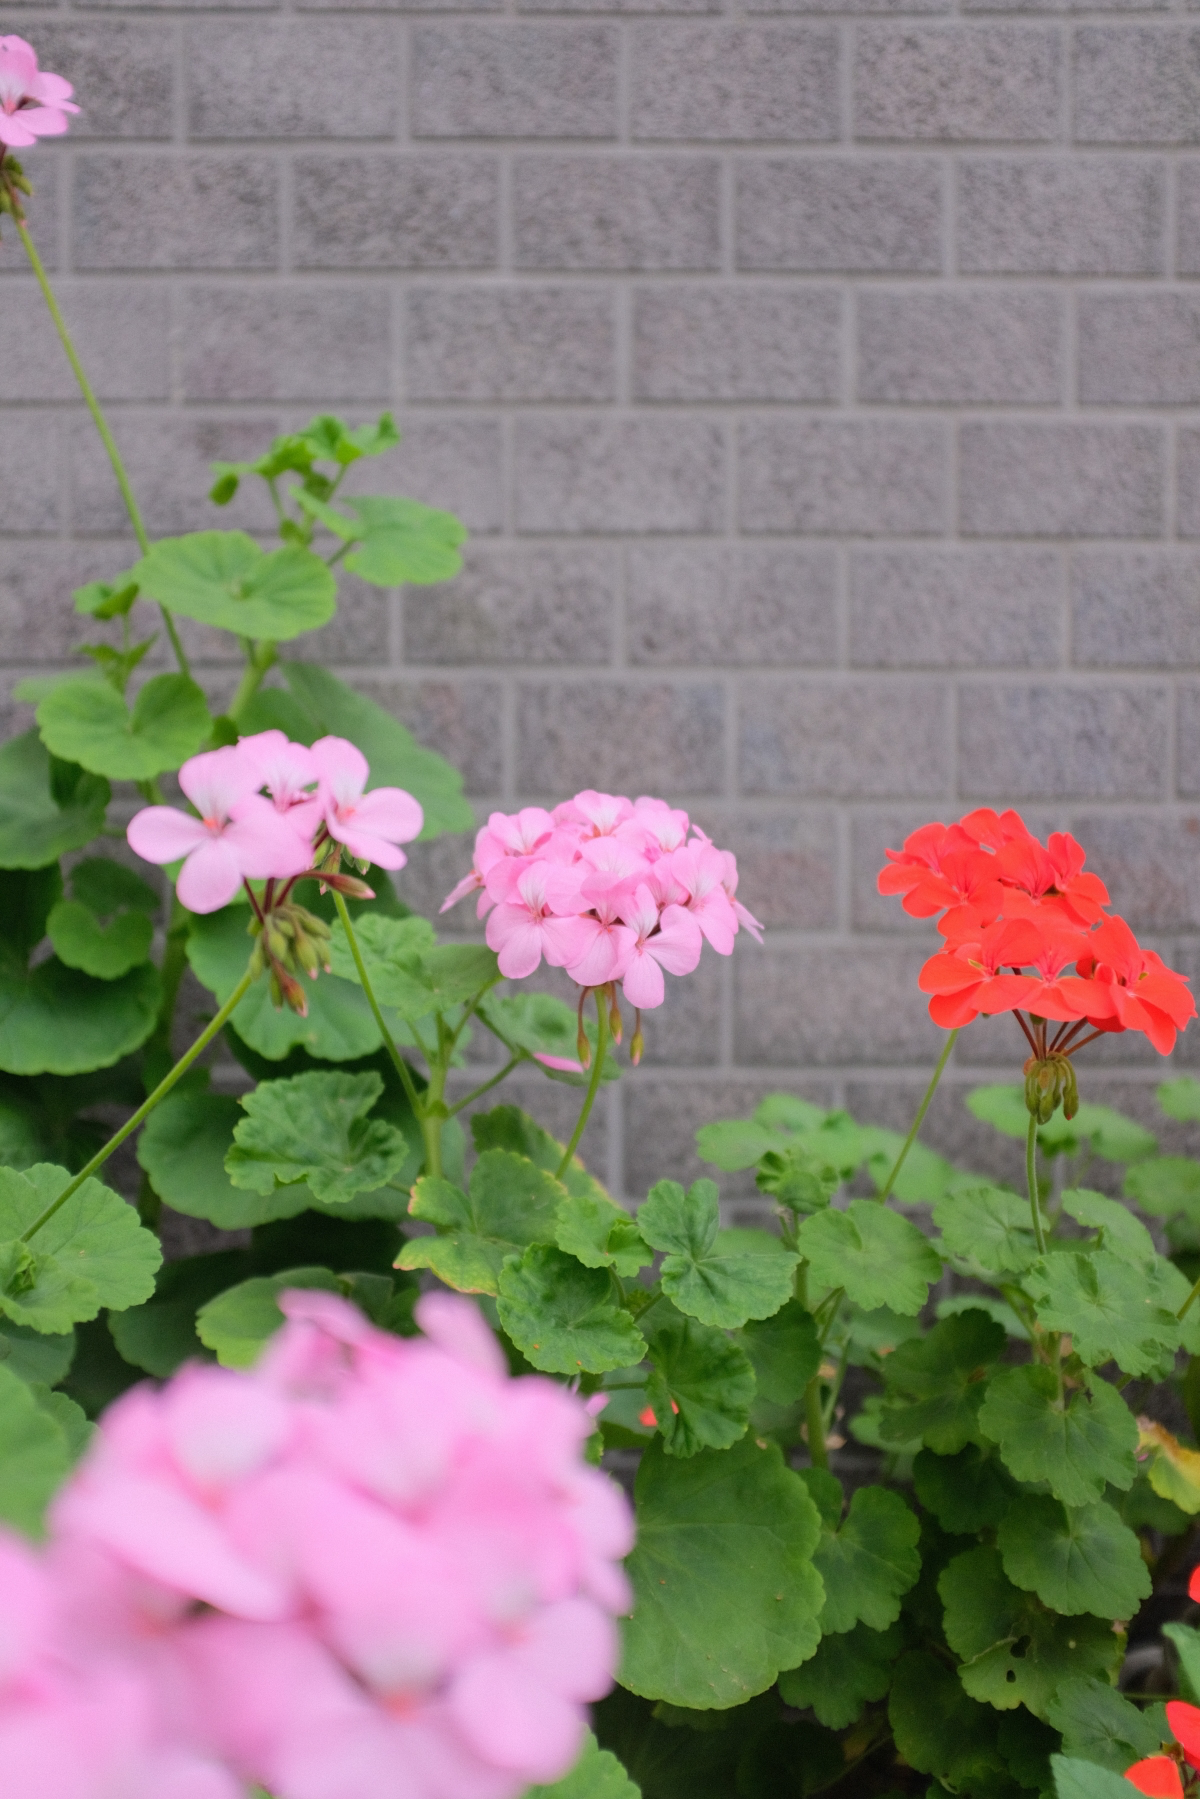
(349, 885)
(277, 942)
(583, 1048)
(293, 993)
(637, 1042)
(257, 961)
(276, 988)
(614, 1013)
(307, 955)
(255, 926)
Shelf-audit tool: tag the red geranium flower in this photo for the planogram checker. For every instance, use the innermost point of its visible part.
(1157, 1777)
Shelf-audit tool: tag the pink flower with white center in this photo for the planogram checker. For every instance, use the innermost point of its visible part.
(237, 836)
(665, 827)
(33, 103)
(743, 915)
(525, 927)
(700, 870)
(290, 775)
(671, 940)
(372, 825)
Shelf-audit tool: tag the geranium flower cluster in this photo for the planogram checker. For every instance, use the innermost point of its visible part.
(609, 888)
(1027, 930)
(33, 103)
(371, 1568)
(264, 807)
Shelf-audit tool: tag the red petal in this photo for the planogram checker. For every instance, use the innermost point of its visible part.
(1185, 1722)
(1157, 1777)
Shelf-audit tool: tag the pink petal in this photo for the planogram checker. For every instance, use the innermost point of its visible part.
(517, 940)
(458, 1327)
(366, 846)
(469, 884)
(601, 953)
(12, 133)
(678, 943)
(643, 983)
(210, 877)
(216, 780)
(565, 1063)
(267, 843)
(163, 834)
(343, 768)
(510, 1718)
(717, 919)
(391, 813)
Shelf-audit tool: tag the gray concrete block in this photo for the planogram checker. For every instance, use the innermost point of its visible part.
(168, 459)
(183, 5)
(834, 214)
(1188, 748)
(514, 80)
(713, 604)
(1051, 740)
(1139, 348)
(825, 7)
(1061, 480)
(123, 73)
(455, 463)
(662, 1117)
(510, 343)
(861, 476)
(196, 210)
(460, 719)
(31, 449)
(322, 78)
(787, 862)
(120, 330)
(1137, 84)
(619, 474)
(540, 603)
(664, 737)
(956, 607)
(967, 82)
(1187, 201)
(790, 1013)
(410, 211)
(1150, 863)
(1049, 215)
(37, 578)
(294, 343)
(360, 634)
(567, 7)
(1187, 459)
(848, 739)
(735, 82)
(968, 348)
(1135, 608)
(616, 212)
(733, 343)
(685, 1031)
(45, 169)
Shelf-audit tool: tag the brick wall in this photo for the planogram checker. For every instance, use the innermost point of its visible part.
(822, 390)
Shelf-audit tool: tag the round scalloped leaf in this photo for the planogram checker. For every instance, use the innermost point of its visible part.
(1079, 1448)
(1101, 1725)
(869, 1562)
(1082, 1560)
(160, 1335)
(846, 1672)
(1103, 1301)
(561, 1315)
(784, 1351)
(596, 1775)
(879, 1257)
(238, 1322)
(1076, 1779)
(726, 1595)
(936, 1383)
(404, 543)
(314, 1127)
(988, 1226)
(222, 578)
(85, 720)
(720, 1277)
(93, 1239)
(34, 1456)
(56, 1020)
(105, 950)
(182, 1148)
(511, 1204)
(700, 1387)
(45, 809)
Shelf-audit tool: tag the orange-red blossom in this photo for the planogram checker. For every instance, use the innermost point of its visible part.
(1027, 931)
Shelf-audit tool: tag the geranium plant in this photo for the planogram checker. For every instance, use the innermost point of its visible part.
(337, 1515)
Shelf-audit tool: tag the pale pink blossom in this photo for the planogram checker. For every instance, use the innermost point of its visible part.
(665, 827)
(670, 940)
(743, 915)
(524, 928)
(289, 774)
(238, 834)
(603, 942)
(598, 813)
(372, 825)
(700, 870)
(33, 103)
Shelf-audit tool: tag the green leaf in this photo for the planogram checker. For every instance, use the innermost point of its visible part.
(35, 1357)
(182, 1148)
(939, 1730)
(507, 1127)
(700, 1388)
(1079, 1448)
(600, 1234)
(846, 1672)
(1109, 1134)
(1074, 1779)
(720, 1277)
(46, 809)
(329, 439)
(512, 1204)
(542, 1025)
(1186, 1643)
(104, 950)
(34, 1456)
(391, 949)
(936, 1384)
(91, 1253)
(161, 1335)
(315, 1128)
(1119, 1229)
(1100, 1725)
(238, 1322)
(869, 1563)
(879, 1257)
(70, 1417)
(1165, 1186)
(1106, 1305)
(989, 1227)
(1013, 1651)
(1181, 1099)
(596, 1775)
(55, 1020)
(966, 1492)
(784, 1351)
(85, 720)
(1082, 1560)
(561, 1316)
(404, 543)
(726, 1595)
(739, 1142)
(222, 578)
(105, 600)
(396, 758)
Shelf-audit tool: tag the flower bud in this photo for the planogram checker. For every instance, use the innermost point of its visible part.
(614, 1013)
(293, 993)
(257, 961)
(637, 1042)
(277, 942)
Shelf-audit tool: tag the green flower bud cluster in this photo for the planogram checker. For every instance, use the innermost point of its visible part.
(291, 941)
(1049, 1083)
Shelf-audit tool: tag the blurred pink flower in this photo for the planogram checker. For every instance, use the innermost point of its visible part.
(671, 941)
(369, 825)
(289, 773)
(33, 103)
(238, 834)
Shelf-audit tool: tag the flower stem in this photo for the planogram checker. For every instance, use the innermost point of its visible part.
(1189, 1302)
(258, 661)
(815, 1423)
(487, 1086)
(1035, 1206)
(144, 1110)
(593, 1084)
(401, 1066)
(101, 423)
(885, 1190)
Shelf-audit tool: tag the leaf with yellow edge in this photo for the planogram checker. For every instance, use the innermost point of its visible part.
(1174, 1471)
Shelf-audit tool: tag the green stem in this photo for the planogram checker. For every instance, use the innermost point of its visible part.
(144, 1110)
(593, 1084)
(1035, 1208)
(886, 1189)
(401, 1066)
(257, 663)
(487, 1086)
(170, 975)
(101, 423)
(815, 1421)
(1188, 1303)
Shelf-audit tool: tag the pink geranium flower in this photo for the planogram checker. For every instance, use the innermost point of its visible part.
(238, 835)
(33, 103)
(372, 825)
(289, 775)
(525, 927)
(671, 941)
